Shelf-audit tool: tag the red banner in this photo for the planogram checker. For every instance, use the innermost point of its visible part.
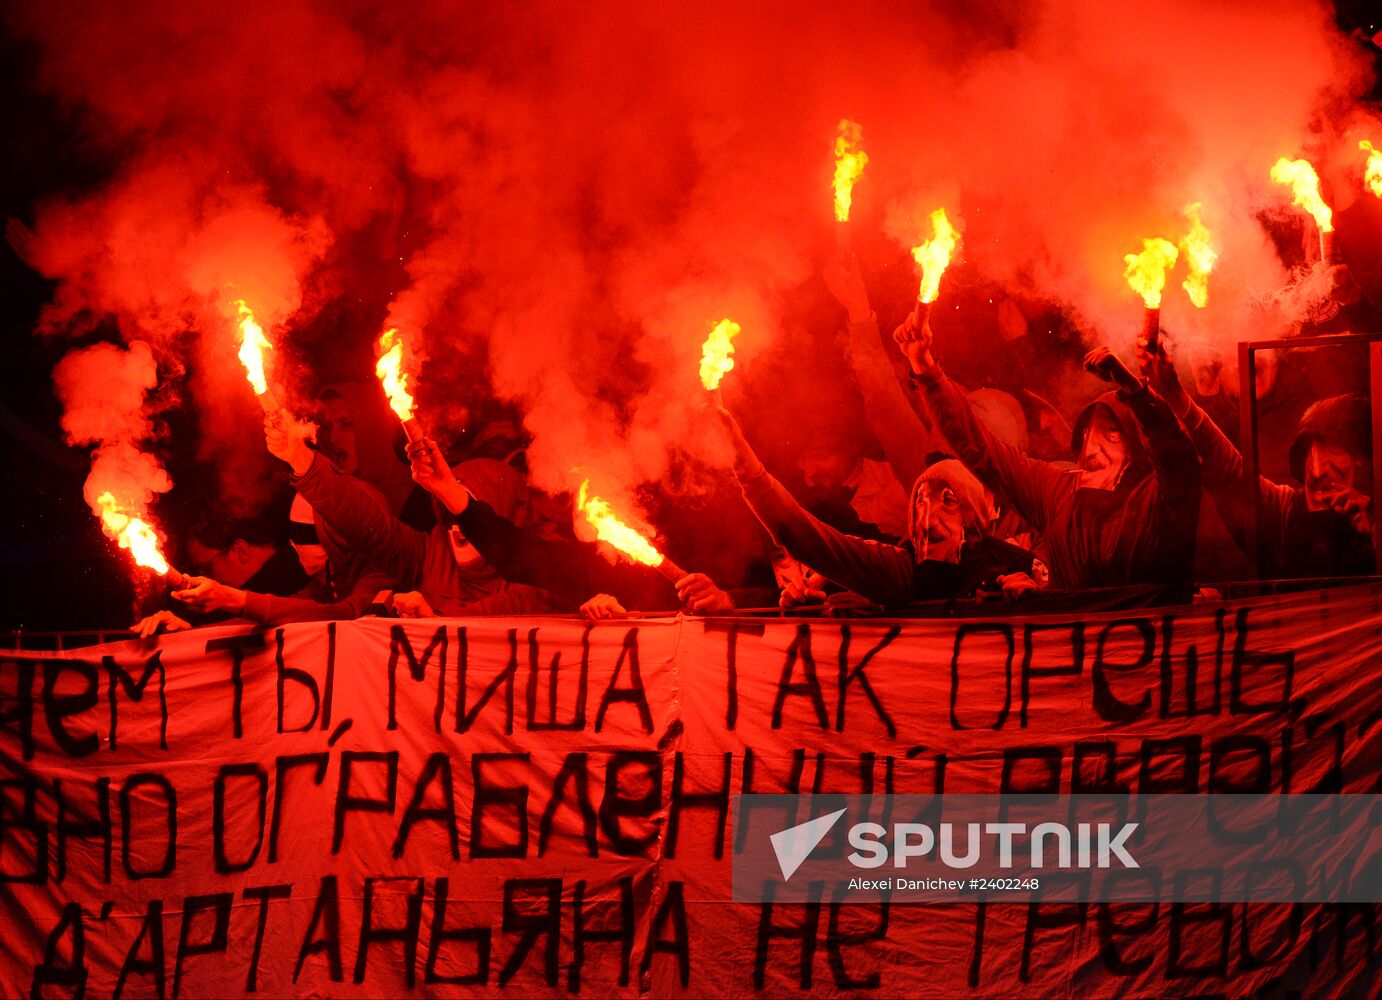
(542, 806)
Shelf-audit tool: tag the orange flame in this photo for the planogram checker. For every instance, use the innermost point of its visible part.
(717, 353)
(850, 161)
(1305, 189)
(1146, 271)
(391, 374)
(934, 255)
(252, 346)
(609, 528)
(132, 533)
(1199, 258)
(1373, 177)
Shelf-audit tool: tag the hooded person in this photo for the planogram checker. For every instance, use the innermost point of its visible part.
(572, 569)
(341, 583)
(448, 575)
(1324, 527)
(356, 430)
(1126, 515)
(946, 555)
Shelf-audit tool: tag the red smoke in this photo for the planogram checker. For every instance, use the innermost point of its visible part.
(578, 193)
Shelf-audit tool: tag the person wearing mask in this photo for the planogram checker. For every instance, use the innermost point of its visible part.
(1127, 514)
(1323, 527)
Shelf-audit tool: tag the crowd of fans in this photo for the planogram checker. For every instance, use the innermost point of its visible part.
(968, 495)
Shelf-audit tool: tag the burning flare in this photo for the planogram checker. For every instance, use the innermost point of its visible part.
(132, 533)
(850, 160)
(609, 528)
(1305, 189)
(395, 380)
(934, 256)
(1373, 178)
(717, 353)
(1199, 258)
(253, 343)
(1146, 271)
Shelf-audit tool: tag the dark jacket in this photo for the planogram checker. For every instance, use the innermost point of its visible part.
(416, 560)
(1294, 541)
(882, 573)
(1143, 531)
(573, 570)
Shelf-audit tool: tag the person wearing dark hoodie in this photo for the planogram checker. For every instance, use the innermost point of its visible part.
(1126, 515)
(340, 586)
(946, 554)
(572, 569)
(449, 576)
(1323, 527)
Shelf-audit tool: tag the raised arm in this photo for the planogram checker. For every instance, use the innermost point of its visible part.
(1032, 487)
(882, 573)
(351, 508)
(906, 438)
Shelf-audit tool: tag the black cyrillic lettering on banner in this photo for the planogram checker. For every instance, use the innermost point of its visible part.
(673, 908)
(442, 935)
(57, 707)
(549, 723)
(224, 866)
(1074, 668)
(327, 912)
(22, 816)
(805, 932)
(810, 686)
(1170, 766)
(465, 717)
(849, 676)
(1040, 916)
(347, 802)
(836, 939)
(83, 827)
(18, 716)
(976, 954)
(263, 894)
(170, 826)
(1191, 672)
(71, 975)
(622, 932)
(1121, 926)
(135, 690)
(684, 801)
(237, 646)
(633, 694)
(329, 692)
(1341, 919)
(574, 772)
(490, 797)
(407, 935)
(961, 634)
(1183, 949)
(633, 791)
(302, 679)
(1108, 705)
(219, 903)
(438, 767)
(732, 629)
(401, 645)
(150, 929)
(532, 909)
(283, 766)
(1249, 664)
